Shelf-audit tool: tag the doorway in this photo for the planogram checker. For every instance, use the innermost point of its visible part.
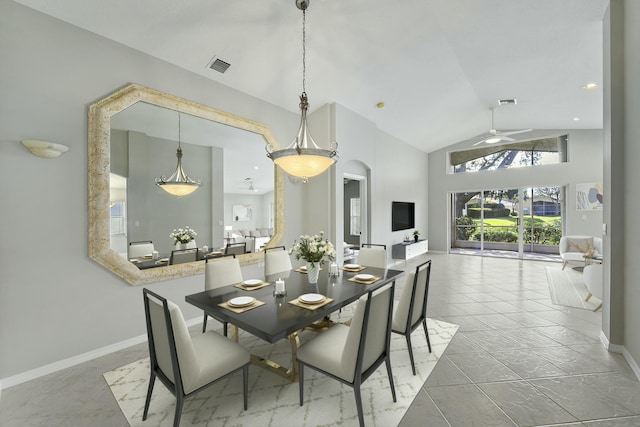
(523, 223)
(355, 210)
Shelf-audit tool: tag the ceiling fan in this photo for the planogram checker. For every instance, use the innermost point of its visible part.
(494, 135)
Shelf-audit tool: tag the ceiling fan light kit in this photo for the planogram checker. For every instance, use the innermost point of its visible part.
(494, 136)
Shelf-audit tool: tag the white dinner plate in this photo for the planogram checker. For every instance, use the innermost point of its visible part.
(304, 267)
(311, 298)
(352, 266)
(148, 256)
(252, 282)
(241, 301)
(364, 276)
(164, 259)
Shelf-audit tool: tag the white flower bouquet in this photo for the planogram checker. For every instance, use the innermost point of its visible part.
(313, 249)
(183, 235)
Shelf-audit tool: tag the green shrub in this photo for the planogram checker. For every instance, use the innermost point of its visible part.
(465, 227)
(498, 235)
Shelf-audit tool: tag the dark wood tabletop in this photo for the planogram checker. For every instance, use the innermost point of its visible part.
(277, 319)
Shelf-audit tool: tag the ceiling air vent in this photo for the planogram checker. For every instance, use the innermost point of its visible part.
(218, 65)
(507, 101)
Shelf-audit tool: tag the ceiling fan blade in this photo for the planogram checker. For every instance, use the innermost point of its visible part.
(478, 143)
(515, 132)
(507, 138)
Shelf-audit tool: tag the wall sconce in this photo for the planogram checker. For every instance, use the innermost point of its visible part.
(45, 149)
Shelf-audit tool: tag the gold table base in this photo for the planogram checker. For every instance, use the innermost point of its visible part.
(290, 373)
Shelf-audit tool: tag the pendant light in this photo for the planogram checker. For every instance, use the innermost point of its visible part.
(178, 184)
(303, 158)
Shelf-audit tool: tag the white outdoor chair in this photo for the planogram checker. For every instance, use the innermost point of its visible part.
(351, 354)
(187, 365)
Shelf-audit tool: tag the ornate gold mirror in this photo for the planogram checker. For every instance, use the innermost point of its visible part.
(121, 114)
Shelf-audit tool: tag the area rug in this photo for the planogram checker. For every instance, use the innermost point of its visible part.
(273, 401)
(567, 288)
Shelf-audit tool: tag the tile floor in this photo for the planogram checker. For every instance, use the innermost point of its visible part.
(517, 360)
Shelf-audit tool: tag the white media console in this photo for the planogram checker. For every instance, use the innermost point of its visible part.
(407, 250)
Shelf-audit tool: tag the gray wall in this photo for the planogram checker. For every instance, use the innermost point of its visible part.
(66, 293)
(584, 166)
(622, 151)
(51, 72)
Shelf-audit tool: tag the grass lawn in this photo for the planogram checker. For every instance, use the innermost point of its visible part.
(511, 221)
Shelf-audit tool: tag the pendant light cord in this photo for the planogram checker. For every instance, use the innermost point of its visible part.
(304, 50)
(179, 130)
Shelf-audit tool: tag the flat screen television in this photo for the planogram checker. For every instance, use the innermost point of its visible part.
(402, 215)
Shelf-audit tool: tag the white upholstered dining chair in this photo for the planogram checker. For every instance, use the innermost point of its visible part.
(181, 256)
(350, 354)
(276, 260)
(223, 271)
(185, 364)
(140, 249)
(371, 255)
(411, 310)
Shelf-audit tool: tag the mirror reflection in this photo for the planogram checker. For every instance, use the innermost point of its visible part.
(134, 135)
(234, 205)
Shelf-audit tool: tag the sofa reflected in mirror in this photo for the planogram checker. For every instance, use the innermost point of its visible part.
(211, 230)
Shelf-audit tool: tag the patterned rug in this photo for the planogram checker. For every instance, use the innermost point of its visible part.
(273, 401)
(567, 288)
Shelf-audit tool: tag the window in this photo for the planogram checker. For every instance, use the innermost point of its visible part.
(354, 223)
(513, 155)
(118, 218)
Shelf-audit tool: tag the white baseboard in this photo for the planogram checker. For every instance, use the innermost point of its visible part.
(615, 348)
(76, 360)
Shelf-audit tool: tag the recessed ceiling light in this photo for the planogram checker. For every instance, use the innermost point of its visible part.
(576, 119)
(380, 105)
(590, 86)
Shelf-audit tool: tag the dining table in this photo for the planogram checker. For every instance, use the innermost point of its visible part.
(148, 261)
(273, 317)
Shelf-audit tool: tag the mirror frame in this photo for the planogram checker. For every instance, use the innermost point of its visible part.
(99, 167)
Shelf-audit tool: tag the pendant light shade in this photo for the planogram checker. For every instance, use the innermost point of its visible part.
(178, 184)
(303, 158)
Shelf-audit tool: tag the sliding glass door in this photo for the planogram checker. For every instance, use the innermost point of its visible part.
(516, 223)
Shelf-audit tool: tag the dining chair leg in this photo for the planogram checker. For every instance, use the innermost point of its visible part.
(393, 389)
(413, 366)
(426, 332)
(204, 323)
(245, 385)
(176, 418)
(152, 381)
(356, 392)
(301, 380)
(225, 326)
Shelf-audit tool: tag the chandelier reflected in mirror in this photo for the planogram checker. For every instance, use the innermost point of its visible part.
(178, 184)
(303, 158)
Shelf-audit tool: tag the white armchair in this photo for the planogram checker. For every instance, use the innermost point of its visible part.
(593, 279)
(574, 248)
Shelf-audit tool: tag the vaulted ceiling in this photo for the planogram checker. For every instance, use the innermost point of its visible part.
(438, 65)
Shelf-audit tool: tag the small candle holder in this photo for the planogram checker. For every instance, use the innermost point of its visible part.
(280, 288)
(155, 255)
(333, 270)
